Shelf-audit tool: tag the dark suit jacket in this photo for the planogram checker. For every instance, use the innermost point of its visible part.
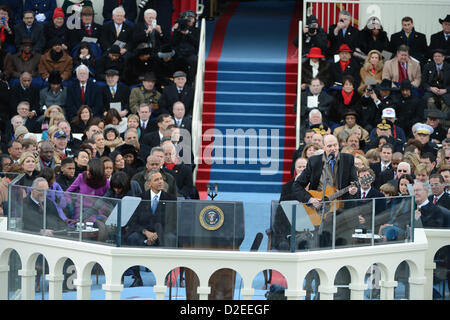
(313, 171)
(108, 35)
(186, 123)
(417, 44)
(373, 193)
(92, 97)
(33, 216)
(170, 96)
(184, 179)
(444, 200)
(352, 69)
(437, 41)
(351, 38)
(431, 216)
(376, 167)
(151, 138)
(36, 34)
(18, 94)
(324, 73)
(122, 95)
(325, 102)
(143, 218)
(76, 35)
(428, 75)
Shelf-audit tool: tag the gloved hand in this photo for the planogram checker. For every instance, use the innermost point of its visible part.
(40, 17)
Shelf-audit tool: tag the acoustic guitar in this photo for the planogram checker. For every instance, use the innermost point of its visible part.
(331, 198)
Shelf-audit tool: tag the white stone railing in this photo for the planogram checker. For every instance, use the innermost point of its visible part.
(293, 266)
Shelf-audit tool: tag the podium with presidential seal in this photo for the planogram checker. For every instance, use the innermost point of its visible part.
(211, 225)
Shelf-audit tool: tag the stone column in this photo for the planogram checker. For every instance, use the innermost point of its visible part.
(160, 291)
(55, 286)
(203, 292)
(247, 293)
(112, 291)
(4, 269)
(357, 291)
(417, 288)
(83, 289)
(28, 283)
(387, 289)
(326, 293)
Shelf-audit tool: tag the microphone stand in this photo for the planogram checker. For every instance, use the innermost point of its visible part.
(322, 214)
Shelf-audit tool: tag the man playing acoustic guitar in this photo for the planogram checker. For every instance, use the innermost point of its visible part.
(330, 170)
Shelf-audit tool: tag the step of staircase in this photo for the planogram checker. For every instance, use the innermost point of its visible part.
(239, 75)
(249, 97)
(251, 86)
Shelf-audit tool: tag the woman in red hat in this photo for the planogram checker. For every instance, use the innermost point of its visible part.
(315, 67)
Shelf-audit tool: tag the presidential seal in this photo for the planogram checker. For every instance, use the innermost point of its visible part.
(211, 218)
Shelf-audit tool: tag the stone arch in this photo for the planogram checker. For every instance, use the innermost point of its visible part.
(222, 283)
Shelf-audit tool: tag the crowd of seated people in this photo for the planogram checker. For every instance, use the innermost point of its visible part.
(93, 109)
(386, 100)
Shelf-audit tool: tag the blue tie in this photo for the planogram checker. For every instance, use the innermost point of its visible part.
(332, 162)
(154, 203)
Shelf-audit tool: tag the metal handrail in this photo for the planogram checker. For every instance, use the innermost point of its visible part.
(197, 112)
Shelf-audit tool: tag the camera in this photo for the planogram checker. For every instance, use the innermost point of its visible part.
(312, 29)
(182, 24)
(142, 4)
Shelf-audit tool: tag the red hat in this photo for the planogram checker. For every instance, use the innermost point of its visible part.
(58, 13)
(344, 48)
(315, 52)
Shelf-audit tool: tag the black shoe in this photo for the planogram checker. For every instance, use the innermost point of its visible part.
(137, 282)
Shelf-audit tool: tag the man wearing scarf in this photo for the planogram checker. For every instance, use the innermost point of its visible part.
(25, 60)
(345, 66)
(408, 36)
(56, 59)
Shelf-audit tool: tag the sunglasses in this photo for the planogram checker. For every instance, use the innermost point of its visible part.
(447, 158)
(405, 171)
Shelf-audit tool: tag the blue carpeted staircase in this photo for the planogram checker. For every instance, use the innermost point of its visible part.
(248, 99)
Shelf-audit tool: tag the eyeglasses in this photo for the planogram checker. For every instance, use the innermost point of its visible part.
(405, 171)
(447, 158)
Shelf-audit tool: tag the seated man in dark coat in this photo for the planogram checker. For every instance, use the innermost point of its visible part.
(436, 82)
(154, 221)
(115, 93)
(111, 59)
(31, 29)
(315, 97)
(33, 214)
(128, 5)
(343, 33)
(24, 92)
(81, 92)
(441, 39)
(416, 41)
(117, 30)
(427, 215)
(178, 91)
(345, 66)
(439, 196)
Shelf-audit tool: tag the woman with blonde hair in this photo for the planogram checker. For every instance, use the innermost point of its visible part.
(309, 150)
(413, 160)
(49, 112)
(372, 68)
(29, 165)
(361, 161)
(54, 119)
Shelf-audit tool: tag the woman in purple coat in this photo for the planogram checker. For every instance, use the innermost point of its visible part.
(92, 182)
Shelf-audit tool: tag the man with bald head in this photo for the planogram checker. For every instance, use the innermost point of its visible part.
(331, 168)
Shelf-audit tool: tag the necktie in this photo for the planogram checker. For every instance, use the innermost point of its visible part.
(332, 162)
(154, 203)
(88, 29)
(435, 200)
(82, 94)
(117, 31)
(364, 195)
(143, 126)
(113, 92)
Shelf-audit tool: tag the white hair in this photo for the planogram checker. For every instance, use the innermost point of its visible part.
(116, 10)
(405, 163)
(314, 111)
(82, 67)
(149, 11)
